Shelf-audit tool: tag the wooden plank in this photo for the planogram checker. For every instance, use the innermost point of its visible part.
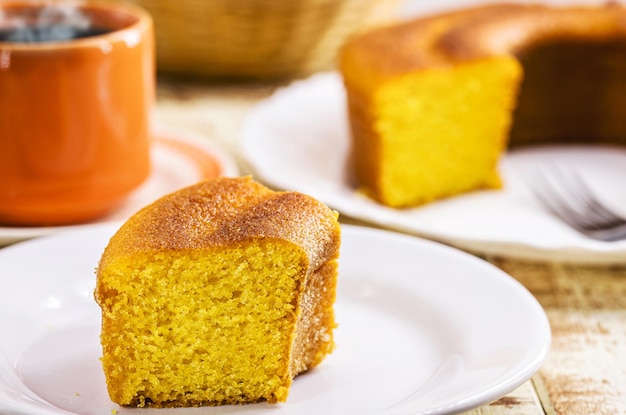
(522, 401)
(585, 372)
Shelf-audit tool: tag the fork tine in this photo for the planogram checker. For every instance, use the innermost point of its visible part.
(550, 196)
(564, 193)
(602, 212)
(612, 234)
(577, 189)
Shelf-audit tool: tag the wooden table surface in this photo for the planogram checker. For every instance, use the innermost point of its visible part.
(585, 372)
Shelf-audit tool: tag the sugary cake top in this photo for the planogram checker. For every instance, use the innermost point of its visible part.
(483, 31)
(225, 211)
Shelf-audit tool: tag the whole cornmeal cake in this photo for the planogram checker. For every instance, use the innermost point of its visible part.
(220, 293)
(435, 102)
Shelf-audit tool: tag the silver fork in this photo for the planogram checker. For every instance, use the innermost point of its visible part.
(562, 191)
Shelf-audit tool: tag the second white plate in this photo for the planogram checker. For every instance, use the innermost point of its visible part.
(298, 139)
(423, 329)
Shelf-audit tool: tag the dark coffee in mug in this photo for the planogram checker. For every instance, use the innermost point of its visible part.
(49, 33)
(49, 22)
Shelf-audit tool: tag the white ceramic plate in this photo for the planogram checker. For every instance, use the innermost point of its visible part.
(298, 140)
(423, 328)
(179, 158)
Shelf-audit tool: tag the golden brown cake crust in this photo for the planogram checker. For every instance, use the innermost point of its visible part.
(506, 29)
(225, 211)
(444, 39)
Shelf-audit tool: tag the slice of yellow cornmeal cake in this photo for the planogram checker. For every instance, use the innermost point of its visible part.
(220, 293)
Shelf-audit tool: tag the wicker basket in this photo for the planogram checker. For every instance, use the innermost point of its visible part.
(257, 39)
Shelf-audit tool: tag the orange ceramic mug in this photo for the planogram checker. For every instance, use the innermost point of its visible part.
(76, 91)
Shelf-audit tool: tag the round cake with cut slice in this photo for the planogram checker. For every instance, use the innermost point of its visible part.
(436, 101)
